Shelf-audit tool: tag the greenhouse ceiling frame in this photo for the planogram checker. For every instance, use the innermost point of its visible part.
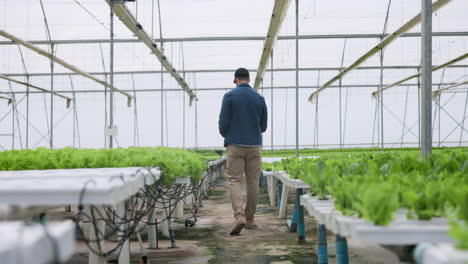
(229, 88)
(436, 68)
(384, 43)
(436, 94)
(244, 38)
(279, 13)
(121, 10)
(62, 62)
(239, 38)
(389, 67)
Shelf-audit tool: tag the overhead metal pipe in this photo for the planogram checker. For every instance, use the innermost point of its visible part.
(279, 12)
(69, 100)
(229, 88)
(239, 38)
(127, 18)
(62, 62)
(394, 67)
(10, 100)
(457, 59)
(436, 93)
(384, 43)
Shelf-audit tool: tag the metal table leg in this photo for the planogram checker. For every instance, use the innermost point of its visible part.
(96, 235)
(300, 217)
(341, 250)
(124, 256)
(284, 201)
(274, 184)
(279, 194)
(322, 245)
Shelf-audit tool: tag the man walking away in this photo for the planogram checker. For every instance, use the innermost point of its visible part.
(242, 121)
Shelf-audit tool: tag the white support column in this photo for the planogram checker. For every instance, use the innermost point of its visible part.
(284, 201)
(164, 224)
(124, 256)
(188, 201)
(179, 209)
(268, 177)
(152, 236)
(274, 189)
(96, 232)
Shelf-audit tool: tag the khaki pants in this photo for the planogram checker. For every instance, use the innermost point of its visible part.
(242, 160)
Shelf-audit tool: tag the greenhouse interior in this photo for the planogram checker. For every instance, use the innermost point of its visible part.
(210, 131)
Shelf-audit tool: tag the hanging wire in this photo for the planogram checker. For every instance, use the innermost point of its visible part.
(196, 110)
(93, 16)
(75, 115)
(339, 108)
(463, 122)
(381, 53)
(136, 129)
(285, 117)
(105, 91)
(316, 124)
(15, 110)
(404, 116)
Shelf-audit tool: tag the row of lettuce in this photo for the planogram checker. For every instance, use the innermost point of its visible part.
(173, 161)
(375, 185)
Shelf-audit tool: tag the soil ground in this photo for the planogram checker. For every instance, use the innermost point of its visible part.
(208, 242)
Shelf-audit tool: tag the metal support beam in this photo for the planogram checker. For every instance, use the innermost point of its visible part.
(61, 62)
(271, 101)
(228, 88)
(384, 43)
(69, 100)
(394, 67)
(237, 38)
(442, 66)
(127, 18)
(279, 12)
(426, 77)
(111, 75)
(297, 78)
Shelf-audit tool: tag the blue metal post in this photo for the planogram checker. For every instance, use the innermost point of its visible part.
(341, 250)
(300, 217)
(322, 245)
(280, 192)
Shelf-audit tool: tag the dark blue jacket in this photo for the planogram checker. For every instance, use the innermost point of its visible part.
(243, 117)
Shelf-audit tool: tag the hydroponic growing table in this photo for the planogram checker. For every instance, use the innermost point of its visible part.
(296, 223)
(104, 186)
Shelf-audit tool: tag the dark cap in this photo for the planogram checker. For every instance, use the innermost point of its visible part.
(241, 72)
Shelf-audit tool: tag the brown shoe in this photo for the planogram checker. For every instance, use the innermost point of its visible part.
(237, 225)
(250, 224)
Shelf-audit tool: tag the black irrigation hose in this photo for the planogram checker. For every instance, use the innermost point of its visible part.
(146, 201)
